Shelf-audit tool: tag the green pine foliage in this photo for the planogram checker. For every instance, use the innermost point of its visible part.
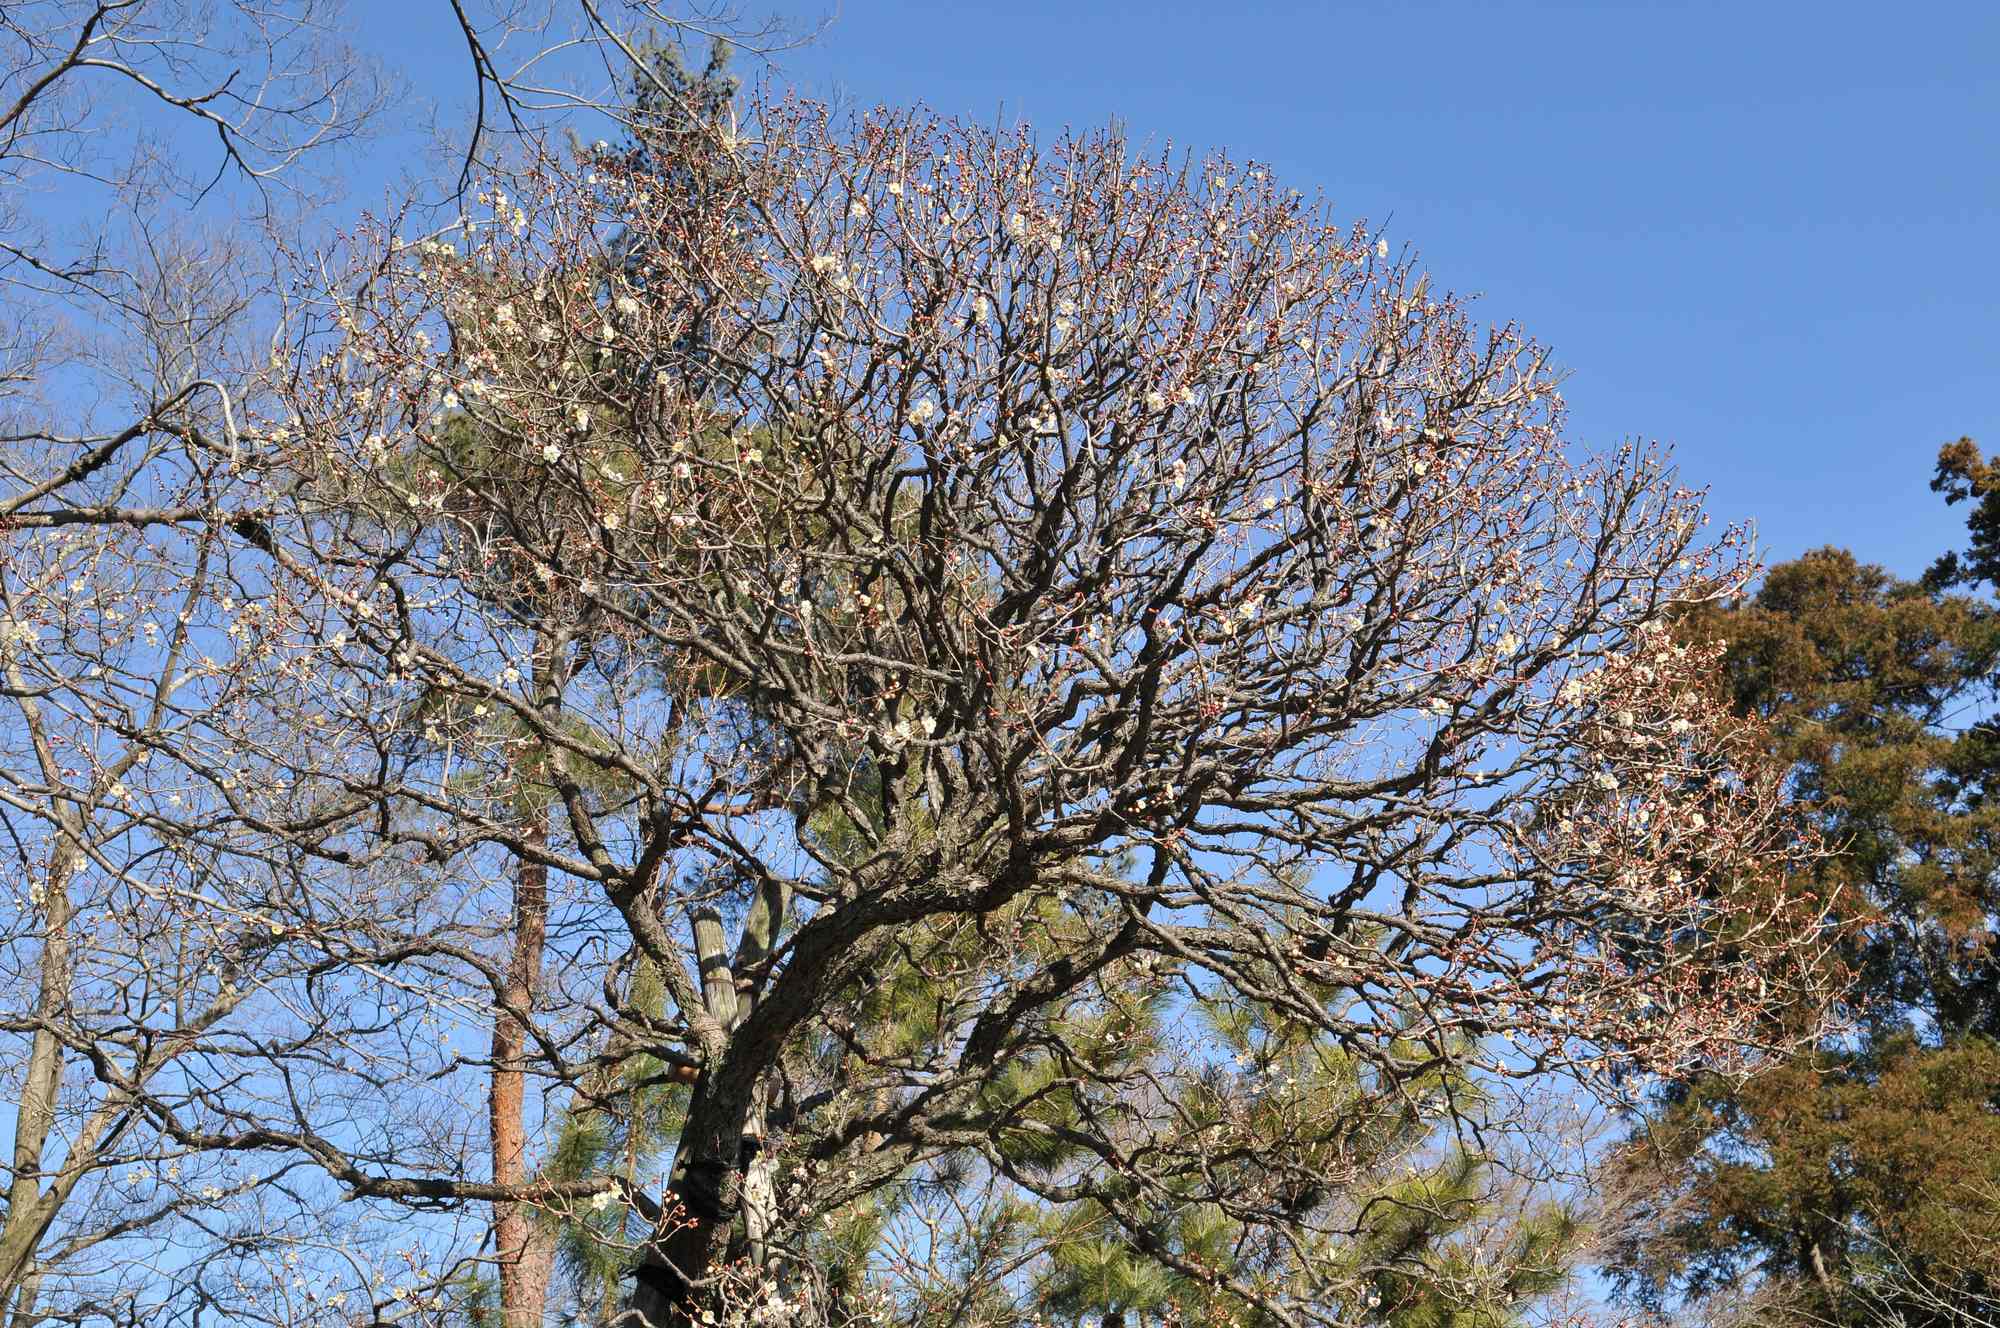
(1861, 1184)
(624, 1125)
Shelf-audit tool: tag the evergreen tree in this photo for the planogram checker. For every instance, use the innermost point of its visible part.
(1862, 1183)
(680, 122)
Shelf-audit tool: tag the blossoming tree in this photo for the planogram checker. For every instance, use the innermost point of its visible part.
(984, 618)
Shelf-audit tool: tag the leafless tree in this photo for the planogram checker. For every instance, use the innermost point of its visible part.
(162, 162)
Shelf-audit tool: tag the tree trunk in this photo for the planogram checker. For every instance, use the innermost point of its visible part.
(524, 1247)
(722, 1166)
(702, 1183)
(703, 1197)
(28, 1212)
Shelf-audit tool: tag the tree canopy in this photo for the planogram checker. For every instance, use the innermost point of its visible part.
(1151, 585)
(849, 720)
(1863, 1182)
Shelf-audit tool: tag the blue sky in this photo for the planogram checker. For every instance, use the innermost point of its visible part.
(1766, 233)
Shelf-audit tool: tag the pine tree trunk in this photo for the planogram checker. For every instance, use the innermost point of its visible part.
(524, 1248)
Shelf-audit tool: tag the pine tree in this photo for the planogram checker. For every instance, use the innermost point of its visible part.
(1861, 1184)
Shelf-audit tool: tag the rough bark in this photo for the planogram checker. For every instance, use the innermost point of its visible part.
(719, 1167)
(524, 1248)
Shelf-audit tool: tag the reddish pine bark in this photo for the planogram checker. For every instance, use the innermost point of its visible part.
(524, 1249)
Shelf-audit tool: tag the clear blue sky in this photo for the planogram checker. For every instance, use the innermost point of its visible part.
(1767, 233)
